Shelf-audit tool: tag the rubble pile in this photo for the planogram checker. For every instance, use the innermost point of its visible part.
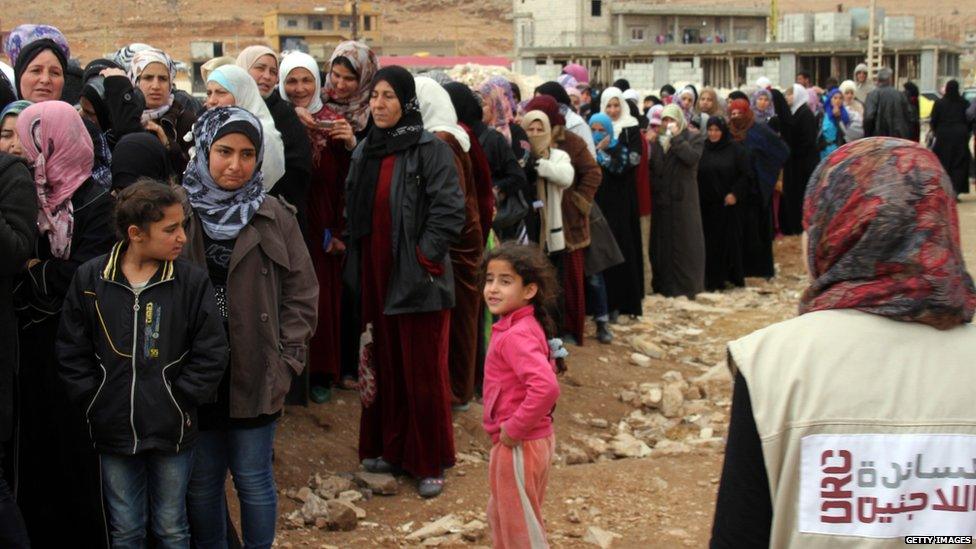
(329, 502)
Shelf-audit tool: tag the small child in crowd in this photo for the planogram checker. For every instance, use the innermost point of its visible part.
(520, 392)
(140, 347)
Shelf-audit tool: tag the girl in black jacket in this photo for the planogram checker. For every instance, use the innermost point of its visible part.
(140, 347)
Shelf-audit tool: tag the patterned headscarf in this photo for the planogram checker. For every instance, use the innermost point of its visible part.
(763, 115)
(363, 60)
(739, 127)
(884, 236)
(125, 54)
(25, 34)
(498, 95)
(223, 214)
(141, 60)
(15, 108)
(56, 142)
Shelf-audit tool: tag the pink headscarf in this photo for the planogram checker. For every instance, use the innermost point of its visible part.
(578, 72)
(56, 142)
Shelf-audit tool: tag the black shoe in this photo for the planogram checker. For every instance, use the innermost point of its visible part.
(614, 317)
(603, 334)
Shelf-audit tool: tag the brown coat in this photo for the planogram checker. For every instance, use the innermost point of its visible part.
(272, 297)
(578, 199)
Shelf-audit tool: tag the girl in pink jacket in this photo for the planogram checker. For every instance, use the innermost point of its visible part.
(520, 392)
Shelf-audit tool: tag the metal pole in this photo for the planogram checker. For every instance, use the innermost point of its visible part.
(355, 19)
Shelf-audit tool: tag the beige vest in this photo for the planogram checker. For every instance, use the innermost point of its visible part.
(846, 404)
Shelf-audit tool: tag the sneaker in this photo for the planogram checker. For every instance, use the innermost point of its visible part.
(377, 465)
(603, 334)
(320, 394)
(430, 487)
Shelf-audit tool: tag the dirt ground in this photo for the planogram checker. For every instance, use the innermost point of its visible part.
(658, 501)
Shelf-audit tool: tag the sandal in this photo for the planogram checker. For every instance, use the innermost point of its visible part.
(430, 487)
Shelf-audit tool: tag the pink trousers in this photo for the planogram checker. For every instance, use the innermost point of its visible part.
(518, 478)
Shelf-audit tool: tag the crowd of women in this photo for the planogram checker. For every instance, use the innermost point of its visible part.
(341, 216)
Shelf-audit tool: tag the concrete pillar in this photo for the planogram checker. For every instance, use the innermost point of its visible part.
(928, 70)
(787, 68)
(661, 68)
(524, 65)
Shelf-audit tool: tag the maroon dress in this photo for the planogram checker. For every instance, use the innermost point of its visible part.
(409, 423)
(326, 200)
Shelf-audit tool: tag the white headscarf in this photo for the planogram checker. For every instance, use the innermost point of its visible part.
(763, 83)
(800, 97)
(438, 111)
(246, 96)
(625, 120)
(8, 71)
(301, 60)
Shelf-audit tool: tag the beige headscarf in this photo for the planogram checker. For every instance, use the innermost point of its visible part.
(540, 143)
(212, 65)
(251, 54)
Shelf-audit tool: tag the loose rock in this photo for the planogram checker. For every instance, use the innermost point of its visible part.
(638, 359)
(672, 400)
(445, 525)
(645, 345)
(382, 484)
(625, 445)
(600, 537)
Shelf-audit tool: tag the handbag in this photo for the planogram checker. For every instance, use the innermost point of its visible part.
(510, 211)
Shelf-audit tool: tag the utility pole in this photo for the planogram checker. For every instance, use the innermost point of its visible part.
(871, 31)
(355, 19)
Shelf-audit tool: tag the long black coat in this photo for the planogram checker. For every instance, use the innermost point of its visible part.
(804, 157)
(294, 185)
(18, 229)
(724, 169)
(952, 133)
(677, 243)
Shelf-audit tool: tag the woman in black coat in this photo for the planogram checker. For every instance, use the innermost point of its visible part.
(951, 129)
(723, 181)
(804, 157)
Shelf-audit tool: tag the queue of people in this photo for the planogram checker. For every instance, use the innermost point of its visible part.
(174, 266)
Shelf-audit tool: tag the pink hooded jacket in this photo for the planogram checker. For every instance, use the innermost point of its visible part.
(520, 388)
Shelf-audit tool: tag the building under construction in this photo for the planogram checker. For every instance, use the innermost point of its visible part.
(655, 44)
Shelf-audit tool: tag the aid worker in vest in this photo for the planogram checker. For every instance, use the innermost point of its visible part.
(853, 424)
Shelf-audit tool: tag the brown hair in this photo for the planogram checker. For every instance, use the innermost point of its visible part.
(142, 204)
(532, 265)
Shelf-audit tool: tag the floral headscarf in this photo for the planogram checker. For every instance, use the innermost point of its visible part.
(25, 34)
(884, 236)
(223, 214)
(56, 142)
(125, 54)
(763, 115)
(142, 59)
(498, 95)
(363, 59)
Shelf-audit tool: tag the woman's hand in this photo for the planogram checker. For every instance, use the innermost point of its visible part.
(306, 117)
(604, 143)
(730, 199)
(507, 440)
(112, 71)
(336, 247)
(341, 130)
(32, 262)
(158, 131)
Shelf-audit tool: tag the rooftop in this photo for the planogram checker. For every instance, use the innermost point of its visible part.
(669, 9)
(826, 48)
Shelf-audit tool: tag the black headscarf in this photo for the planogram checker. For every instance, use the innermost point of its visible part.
(556, 91)
(382, 142)
(32, 50)
(469, 111)
(139, 155)
(94, 92)
(73, 82)
(726, 139)
(96, 66)
(784, 116)
(622, 84)
(736, 94)
(7, 95)
(951, 89)
(911, 90)
(667, 89)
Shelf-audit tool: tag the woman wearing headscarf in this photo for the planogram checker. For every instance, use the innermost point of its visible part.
(469, 114)
(855, 110)
(833, 129)
(266, 293)
(804, 156)
(440, 119)
(93, 101)
(621, 142)
(75, 225)
(499, 111)
(8, 93)
(762, 106)
(948, 123)
(156, 108)
(140, 155)
(577, 200)
(914, 118)
(724, 178)
(687, 100)
(677, 248)
(554, 174)
(709, 105)
(231, 85)
(574, 122)
(405, 209)
(39, 54)
(886, 317)
(261, 62)
(767, 155)
(9, 141)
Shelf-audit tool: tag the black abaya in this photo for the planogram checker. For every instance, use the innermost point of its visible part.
(723, 169)
(804, 157)
(952, 140)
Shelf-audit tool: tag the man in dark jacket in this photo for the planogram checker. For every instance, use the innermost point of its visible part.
(886, 112)
(18, 229)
